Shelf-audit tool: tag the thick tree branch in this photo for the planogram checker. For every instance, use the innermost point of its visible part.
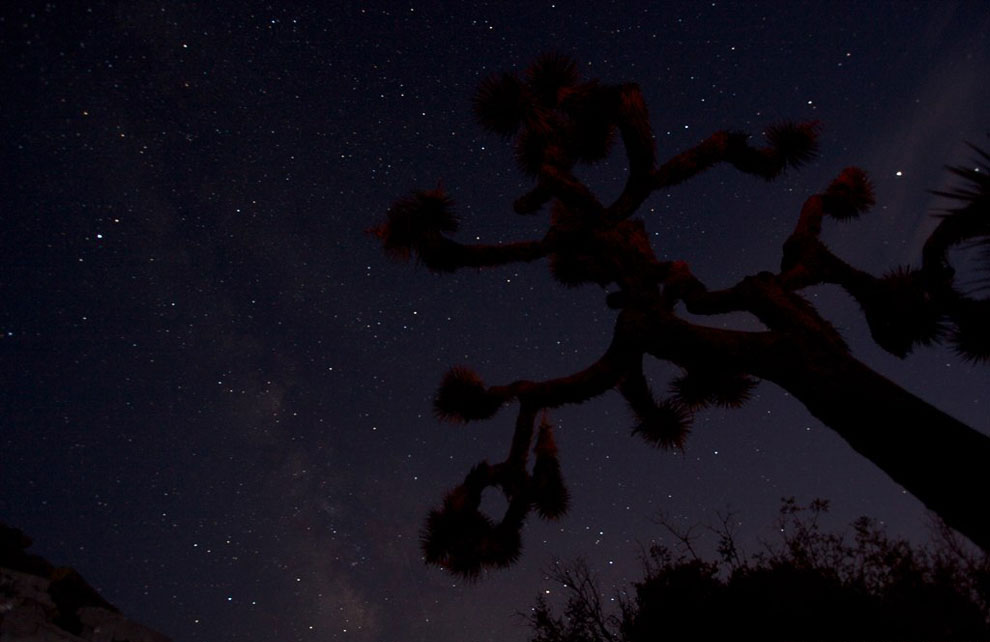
(445, 255)
(579, 387)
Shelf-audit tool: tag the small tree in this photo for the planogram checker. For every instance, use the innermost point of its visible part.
(557, 121)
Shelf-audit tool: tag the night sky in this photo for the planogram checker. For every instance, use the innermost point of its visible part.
(215, 389)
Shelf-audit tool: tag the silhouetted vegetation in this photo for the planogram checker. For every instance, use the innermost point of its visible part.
(557, 121)
(813, 584)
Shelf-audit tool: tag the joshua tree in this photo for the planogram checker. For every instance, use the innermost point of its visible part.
(557, 121)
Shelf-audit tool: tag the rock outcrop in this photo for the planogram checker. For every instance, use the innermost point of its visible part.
(40, 602)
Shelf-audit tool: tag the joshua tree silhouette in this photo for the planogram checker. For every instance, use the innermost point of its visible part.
(557, 120)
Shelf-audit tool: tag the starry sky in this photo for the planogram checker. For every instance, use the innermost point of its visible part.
(215, 390)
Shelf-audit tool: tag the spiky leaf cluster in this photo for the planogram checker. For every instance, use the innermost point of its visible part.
(500, 103)
(462, 539)
(463, 397)
(549, 74)
(465, 541)
(975, 192)
(665, 424)
(453, 538)
(793, 144)
(415, 222)
(901, 312)
(556, 119)
(969, 221)
(849, 195)
(702, 387)
(970, 334)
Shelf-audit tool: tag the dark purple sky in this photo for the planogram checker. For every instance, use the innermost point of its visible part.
(216, 391)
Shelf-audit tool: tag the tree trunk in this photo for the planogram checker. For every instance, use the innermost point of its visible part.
(935, 457)
(938, 459)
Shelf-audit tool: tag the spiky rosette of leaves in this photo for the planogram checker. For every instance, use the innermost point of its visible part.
(455, 537)
(500, 103)
(549, 494)
(463, 397)
(900, 312)
(975, 192)
(465, 541)
(701, 387)
(457, 542)
(665, 424)
(849, 195)
(967, 222)
(549, 74)
(504, 547)
(971, 329)
(793, 144)
(414, 221)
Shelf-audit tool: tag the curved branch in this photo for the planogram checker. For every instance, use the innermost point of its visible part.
(764, 295)
(790, 145)
(445, 255)
(419, 223)
(561, 183)
(522, 436)
(599, 377)
(690, 345)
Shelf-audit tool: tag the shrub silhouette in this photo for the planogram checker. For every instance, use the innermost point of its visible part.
(813, 585)
(556, 121)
